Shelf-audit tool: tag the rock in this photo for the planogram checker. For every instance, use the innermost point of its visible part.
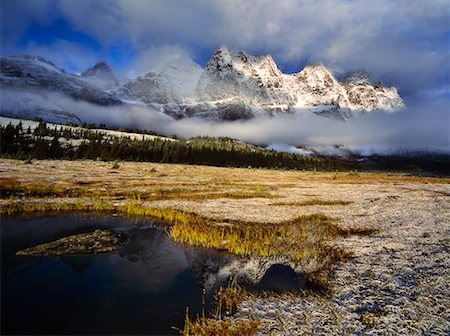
(91, 242)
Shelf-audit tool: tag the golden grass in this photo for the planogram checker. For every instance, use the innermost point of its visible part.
(229, 298)
(13, 188)
(379, 178)
(312, 202)
(303, 238)
(14, 208)
(227, 301)
(212, 327)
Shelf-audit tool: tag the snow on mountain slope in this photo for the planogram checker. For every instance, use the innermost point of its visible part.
(147, 89)
(233, 85)
(101, 76)
(33, 72)
(316, 85)
(259, 87)
(254, 81)
(175, 84)
(182, 80)
(363, 96)
(32, 105)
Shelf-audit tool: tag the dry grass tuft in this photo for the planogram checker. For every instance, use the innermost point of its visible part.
(211, 326)
(227, 301)
(357, 231)
(229, 298)
(303, 238)
(312, 202)
(10, 187)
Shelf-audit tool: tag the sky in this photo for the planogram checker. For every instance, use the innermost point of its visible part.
(400, 42)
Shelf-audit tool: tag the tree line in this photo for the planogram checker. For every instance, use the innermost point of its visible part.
(44, 142)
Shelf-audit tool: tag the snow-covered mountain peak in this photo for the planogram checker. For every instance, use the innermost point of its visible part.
(101, 75)
(101, 68)
(233, 85)
(30, 62)
(360, 77)
(316, 85)
(33, 72)
(317, 73)
(363, 96)
(225, 61)
(221, 62)
(231, 74)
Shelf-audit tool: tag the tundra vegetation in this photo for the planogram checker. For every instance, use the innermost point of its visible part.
(245, 211)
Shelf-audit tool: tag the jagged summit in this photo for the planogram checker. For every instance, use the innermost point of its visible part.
(173, 84)
(227, 62)
(357, 77)
(27, 84)
(25, 72)
(257, 83)
(316, 85)
(362, 95)
(99, 68)
(101, 75)
(233, 85)
(255, 80)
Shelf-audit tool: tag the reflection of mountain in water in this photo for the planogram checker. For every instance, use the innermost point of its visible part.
(213, 269)
(77, 263)
(157, 260)
(281, 277)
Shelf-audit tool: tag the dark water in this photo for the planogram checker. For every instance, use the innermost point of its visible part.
(142, 288)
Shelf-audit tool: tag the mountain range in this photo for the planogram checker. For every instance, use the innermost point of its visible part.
(233, 85)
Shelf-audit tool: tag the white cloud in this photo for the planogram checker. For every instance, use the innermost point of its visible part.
(102, 19)
(391, 39)
(155, 59)
(65, 54)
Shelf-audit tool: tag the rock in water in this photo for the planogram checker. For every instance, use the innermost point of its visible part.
(91, 242)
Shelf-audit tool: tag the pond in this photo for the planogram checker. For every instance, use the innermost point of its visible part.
(141, 288)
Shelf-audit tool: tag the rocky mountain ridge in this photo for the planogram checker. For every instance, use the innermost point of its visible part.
(233, 85)
(34, 72)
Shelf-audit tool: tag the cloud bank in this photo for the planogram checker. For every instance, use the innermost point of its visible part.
(404, 43)
(422, 127)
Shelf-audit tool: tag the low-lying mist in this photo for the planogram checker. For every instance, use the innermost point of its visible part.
(424, 126)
